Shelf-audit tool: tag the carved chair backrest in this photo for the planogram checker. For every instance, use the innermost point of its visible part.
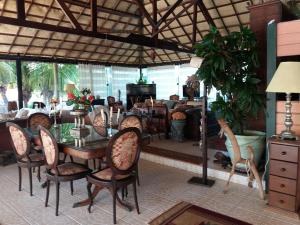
(50, 147)
(19, 140)
(131, 121)
(110, 100)
(123, 151)
(100, 124)
(174, 97)
(235, 146)
(39, 119)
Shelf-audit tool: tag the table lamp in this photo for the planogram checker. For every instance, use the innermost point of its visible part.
(286, 80)
(69, 88)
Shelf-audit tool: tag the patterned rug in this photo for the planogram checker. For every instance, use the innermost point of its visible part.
(186, 213)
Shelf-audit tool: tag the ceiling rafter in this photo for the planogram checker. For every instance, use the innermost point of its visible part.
(145, 13)
(171, 10)
(205, 13)
(68, 14)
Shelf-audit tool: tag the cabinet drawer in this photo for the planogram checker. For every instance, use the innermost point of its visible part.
(284, 152)
(282, 201)
(283, 185)
(283, 169)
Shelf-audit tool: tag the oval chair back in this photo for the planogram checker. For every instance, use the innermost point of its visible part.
(39, 119)
(123, 151)
(131, 121)
(50, 148)
(19, 140)
(100, 124)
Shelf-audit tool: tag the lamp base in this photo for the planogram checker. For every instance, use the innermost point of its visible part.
(288, 135)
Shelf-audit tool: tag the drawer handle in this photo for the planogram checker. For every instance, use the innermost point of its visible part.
(281, 201)
(283, 153)
(283, 169)
(282, 185)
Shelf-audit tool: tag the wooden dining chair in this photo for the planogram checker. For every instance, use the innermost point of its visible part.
(20, 143)
(100, 124)
(55, 172)
(39, 119)
(237, 158)
(132, 121)
(122, 155)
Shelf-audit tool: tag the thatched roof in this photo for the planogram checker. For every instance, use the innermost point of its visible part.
(115, 19)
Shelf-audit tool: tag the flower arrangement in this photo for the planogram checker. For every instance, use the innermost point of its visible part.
(81, 101)
(193, 82)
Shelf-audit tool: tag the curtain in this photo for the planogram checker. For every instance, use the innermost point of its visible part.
(94, 78)
(120, 77)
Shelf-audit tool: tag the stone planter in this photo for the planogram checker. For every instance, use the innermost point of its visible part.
(177, 129)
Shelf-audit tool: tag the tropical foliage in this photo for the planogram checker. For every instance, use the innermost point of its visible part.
(230, 64)
(37, 77)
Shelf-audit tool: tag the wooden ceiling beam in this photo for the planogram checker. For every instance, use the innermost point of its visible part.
(21, 10)
(68, 14)
(171, 10)
(145, 13)
(195, 13)
(205, 13)
(141, 40)
(171, 20)
(94, 15)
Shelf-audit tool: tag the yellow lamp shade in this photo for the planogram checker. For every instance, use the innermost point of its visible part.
(69, 88)
(286, 78)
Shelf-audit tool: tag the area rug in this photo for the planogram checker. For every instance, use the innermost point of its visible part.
(186, 213)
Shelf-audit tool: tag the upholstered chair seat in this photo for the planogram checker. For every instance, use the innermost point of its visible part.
(69, 169)
(35, 157)
(107, 173)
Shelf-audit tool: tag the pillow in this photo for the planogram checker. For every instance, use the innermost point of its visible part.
(170, 104)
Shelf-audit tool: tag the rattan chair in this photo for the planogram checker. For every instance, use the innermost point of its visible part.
(22, 149)
(122, 156)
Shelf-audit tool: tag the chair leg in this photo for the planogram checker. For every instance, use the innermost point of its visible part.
(114, 204)
(135, 198)
(89, 186)
(57, 197)
(94, 161)
(65, 156)
(251, 177)
(71, 158)
(258, 180)
(20, 178)
(231, 174)
(137, 175)
(72, 187)
(39, 174)
(47, 192)
(30, 179)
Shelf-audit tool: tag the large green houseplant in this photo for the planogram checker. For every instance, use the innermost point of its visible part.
(229, 65)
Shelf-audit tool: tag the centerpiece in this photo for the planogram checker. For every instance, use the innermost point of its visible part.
(82, 102)
(54, 102)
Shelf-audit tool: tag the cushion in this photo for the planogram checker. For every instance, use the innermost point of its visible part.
(18, 139)
(35, 157)
(68, 169)
(170, 104)
(22, 113)
(106, 174)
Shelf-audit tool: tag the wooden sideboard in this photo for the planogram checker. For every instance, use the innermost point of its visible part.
(284, 184)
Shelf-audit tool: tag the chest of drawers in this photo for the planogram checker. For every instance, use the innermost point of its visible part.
(284, 180)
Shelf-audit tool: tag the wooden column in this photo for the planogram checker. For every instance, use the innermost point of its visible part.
(19, 82)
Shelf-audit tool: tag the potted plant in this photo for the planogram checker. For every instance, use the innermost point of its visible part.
(82, 101)
(229, 65)
(178, 124)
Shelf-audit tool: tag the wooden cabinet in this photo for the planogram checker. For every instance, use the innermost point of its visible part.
(284, 184)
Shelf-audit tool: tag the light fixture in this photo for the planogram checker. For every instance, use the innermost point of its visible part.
(196, 61)
(69, 88)
(286, 80)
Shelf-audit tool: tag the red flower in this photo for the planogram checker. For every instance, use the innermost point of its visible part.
(91, 98)
(83, 98)
(71, 96)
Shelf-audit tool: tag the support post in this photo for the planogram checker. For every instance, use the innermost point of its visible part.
(271, 97)
(19, 82)
(204, 181)
(55, 80)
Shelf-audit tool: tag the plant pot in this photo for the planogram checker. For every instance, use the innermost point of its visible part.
(177, 128)
(254, 138)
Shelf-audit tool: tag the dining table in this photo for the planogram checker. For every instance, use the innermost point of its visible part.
(86, 145)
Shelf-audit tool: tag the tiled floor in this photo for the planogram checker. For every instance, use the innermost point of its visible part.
(161, 187)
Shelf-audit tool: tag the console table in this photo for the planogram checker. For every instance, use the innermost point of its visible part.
(284, 181)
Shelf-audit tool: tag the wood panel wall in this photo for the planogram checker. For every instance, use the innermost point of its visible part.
(288, 38)
(280, 111)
